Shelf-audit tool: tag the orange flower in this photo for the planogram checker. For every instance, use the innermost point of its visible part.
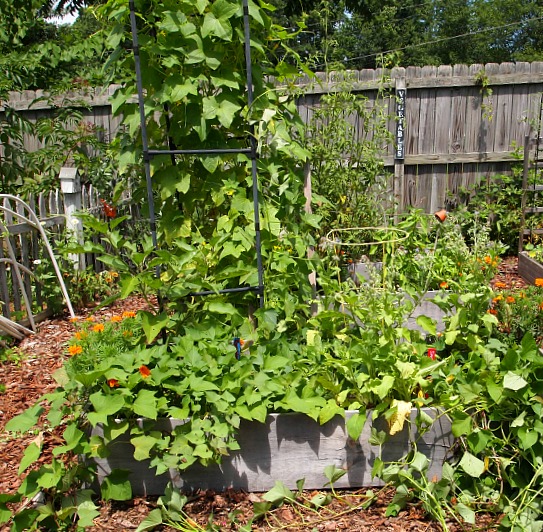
(145, 371)
(79, 335)
(75, 349)
(129, 314)
(109, 210)
(522, 295)
(497, 298)
(538, 281)
(499, 284)
(116, 319)
(74, 319)
(90, 318)
(99, 327)
(127, 333)
(509, 299)
(488, 259)
(492, 311)
(443, 284)
(541, 306)
(112, 383)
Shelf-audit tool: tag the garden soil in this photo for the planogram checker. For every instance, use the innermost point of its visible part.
(27, 374)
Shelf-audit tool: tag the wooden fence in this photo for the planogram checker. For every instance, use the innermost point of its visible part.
(461, 122)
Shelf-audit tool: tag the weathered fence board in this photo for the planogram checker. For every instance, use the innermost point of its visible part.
(456, 132)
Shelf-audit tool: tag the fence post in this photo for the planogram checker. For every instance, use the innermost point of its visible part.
(70, 185)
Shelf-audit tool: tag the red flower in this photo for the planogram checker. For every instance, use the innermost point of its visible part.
(112, 383)
(109, 210)
(145, 371)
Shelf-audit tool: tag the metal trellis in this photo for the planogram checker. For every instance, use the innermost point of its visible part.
(251, 151)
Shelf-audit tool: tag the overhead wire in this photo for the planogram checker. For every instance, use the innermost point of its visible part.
(434, 41)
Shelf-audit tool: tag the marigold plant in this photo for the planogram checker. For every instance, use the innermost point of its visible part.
(519, 311)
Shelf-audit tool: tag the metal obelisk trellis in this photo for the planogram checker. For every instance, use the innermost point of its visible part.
(251, 151)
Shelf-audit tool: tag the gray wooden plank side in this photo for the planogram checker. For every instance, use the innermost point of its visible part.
(287, 448)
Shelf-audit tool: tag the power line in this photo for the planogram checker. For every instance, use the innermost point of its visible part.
(443, 39)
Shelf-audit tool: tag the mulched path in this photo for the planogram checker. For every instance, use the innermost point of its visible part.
(27, 374)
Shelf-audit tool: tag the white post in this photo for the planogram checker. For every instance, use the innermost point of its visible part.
(70, 185)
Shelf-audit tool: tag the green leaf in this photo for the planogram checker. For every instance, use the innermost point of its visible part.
(329, 410)
(153, 519)
(472, 465)
(377, 437)
(31, 454)
(152, 324)
(320, 499)
(200, 384)
(221, 307)
(116, 486)
(383, 388)
(224, 9)
(428, 324)
(467, 514)
(495, 390)
(87, 512)
(377, 469)
(25, 421)
(216, 27)
(461, 425)
(355, 425)
(143, 445)
(72, 436)
(128, 285)
(512, 381)
(104, 405)
(419, 462)
(333, 473)
(145, 404)
(278, 494)
(260, 509)
(527, 439)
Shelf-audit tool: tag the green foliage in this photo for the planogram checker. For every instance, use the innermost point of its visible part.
(51, 57)
(520, 312)
(495, 201)
(348, 176)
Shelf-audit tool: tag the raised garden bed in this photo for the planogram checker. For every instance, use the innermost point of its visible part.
(287, 448)
(529, 269)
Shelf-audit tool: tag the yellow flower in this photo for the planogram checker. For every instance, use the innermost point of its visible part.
(116, 319)
(99, 327)
(75, 349)
(79, 335)
(128, 314)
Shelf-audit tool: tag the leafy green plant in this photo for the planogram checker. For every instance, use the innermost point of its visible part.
(348, 174)
(496, 201)
(519, 311)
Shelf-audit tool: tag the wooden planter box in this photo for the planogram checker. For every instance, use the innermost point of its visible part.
(529, 269)
(288, 447)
